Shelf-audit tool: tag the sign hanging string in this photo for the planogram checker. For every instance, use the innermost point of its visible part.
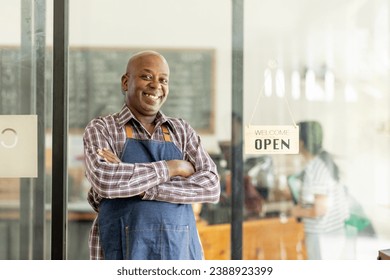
(268, 73)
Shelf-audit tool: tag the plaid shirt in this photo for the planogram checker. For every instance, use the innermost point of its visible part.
(125, 180)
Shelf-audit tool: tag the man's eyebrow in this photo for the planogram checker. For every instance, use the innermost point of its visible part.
(150, 71)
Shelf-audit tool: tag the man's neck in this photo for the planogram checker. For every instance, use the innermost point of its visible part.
(148, 122)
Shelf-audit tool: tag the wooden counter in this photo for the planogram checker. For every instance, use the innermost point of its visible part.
(264, 239)
(384, 254)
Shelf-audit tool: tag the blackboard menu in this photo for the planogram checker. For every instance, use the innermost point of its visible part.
(94, 83)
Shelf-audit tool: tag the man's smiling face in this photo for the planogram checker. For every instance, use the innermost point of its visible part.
(146, 84)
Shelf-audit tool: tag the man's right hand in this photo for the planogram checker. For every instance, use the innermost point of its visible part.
(180, 168)
(108, 155)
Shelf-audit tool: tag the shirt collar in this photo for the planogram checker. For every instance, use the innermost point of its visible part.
(125, 115)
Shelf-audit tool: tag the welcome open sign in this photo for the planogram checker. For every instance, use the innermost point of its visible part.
(279, 139)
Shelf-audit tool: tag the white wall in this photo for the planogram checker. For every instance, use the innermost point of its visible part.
(9, 22)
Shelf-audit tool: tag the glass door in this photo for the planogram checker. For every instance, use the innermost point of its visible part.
(25, 85)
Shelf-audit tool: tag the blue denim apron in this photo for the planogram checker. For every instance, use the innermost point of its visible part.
(136, 229)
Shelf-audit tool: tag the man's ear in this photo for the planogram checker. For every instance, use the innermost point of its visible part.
(124, 81)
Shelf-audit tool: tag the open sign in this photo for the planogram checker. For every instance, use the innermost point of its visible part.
(281, 139)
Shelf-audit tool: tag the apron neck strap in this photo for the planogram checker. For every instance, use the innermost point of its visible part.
(167, 136)
(129, 131)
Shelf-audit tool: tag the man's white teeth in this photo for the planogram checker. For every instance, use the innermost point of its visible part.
(155, 97)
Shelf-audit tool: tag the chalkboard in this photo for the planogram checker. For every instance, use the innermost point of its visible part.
(94, 83)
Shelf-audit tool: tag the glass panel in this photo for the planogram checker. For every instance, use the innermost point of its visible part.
(102, 38)
(24, 86)
(327, 62)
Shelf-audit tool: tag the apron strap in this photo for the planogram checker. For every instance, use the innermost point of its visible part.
(129, 131)
(167, 136)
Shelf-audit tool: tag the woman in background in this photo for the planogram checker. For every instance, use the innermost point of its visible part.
(322, 204)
